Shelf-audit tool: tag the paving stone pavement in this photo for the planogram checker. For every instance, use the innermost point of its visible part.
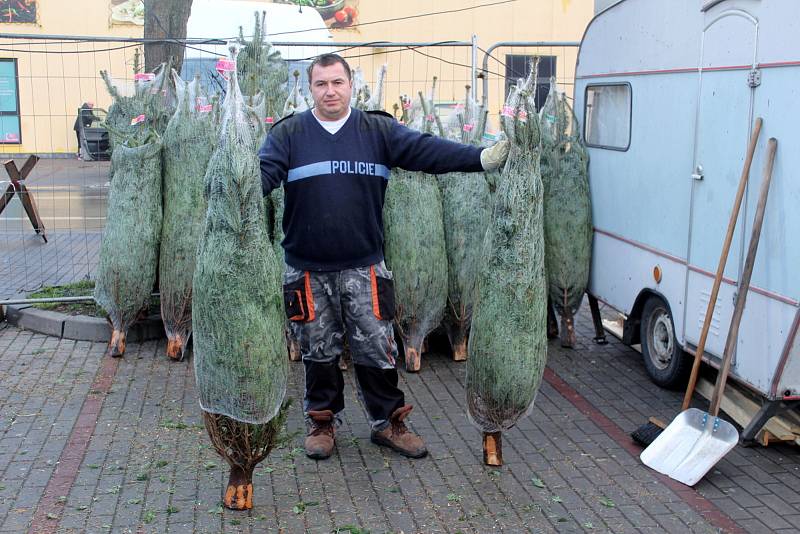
(28, 263)
(148, 465)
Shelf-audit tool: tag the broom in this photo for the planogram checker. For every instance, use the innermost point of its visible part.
(648, 432)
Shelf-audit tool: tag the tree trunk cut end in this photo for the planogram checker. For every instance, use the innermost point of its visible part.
(493, 448)
(568, 339)
(294, 349)
(460, 350)
(175, 347)
(116, 347)
(413, 360)
(239, 493)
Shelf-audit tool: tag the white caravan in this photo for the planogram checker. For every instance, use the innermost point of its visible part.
(666, 94)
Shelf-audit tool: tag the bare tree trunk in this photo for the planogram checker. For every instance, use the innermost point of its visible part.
(165, 19)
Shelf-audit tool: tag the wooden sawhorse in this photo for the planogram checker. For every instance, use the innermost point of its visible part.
(17, 187)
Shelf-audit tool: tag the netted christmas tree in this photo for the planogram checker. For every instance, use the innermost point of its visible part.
(188, 143)
(466, 206)
(129, 248)
(415, 249)
(239, 350)
(297, 101)
(507, 344)
(567, 211)
(261, 68)
(363, 96)
(153, 96)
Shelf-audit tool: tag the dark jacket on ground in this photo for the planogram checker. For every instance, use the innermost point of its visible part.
(335, 183)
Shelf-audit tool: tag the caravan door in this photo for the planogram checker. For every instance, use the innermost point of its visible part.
(724, 119)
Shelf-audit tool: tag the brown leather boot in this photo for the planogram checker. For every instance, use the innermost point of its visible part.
(320, 440)
(398, 437)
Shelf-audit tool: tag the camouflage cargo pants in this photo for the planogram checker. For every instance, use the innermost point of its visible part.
(326, 306)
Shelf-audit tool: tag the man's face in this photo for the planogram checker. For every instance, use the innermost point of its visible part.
(330, 89)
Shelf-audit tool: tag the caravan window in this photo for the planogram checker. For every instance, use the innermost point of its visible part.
(607, 116)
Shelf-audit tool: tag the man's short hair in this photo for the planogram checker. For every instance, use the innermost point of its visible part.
(326, 60)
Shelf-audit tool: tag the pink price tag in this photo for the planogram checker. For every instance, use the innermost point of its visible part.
(137, 120)
(508, 111)
(205, 109)
(522, 115)
(469, 127)
(144, 77)
(269, 120)
(225, 66)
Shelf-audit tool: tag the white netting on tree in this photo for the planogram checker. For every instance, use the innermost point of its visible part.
(188, 143)
(364, 97)
(567, 209)
(466, 207)
(239, 352)
(508, 345)
(261, 68)
(129, 248)
(297, 101)
(415, 251)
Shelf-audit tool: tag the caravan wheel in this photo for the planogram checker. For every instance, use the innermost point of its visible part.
(664, 360)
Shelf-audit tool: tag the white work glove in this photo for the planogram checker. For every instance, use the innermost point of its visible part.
(495, 156)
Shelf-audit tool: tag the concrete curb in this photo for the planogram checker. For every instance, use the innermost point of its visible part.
(79, 327)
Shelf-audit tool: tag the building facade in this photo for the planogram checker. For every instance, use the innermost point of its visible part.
(44, 82)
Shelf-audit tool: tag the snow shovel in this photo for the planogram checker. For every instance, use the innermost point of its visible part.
(696, 440)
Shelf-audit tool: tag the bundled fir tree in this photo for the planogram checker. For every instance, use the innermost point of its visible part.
(363, 97)
(239, 351)
(153, 97)
(507, 344)
(262, 69)
(415, 250)
(188, 144)
(567, 213)
(466, 206)
(297, 101)
(129, 248)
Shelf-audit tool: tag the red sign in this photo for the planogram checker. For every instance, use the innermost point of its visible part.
(224, 66)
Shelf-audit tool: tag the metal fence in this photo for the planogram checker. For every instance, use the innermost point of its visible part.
(54, 75)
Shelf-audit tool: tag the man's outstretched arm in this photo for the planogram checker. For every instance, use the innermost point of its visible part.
(415, 151)
(274, 161)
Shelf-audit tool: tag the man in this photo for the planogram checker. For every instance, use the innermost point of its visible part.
(85, 118)
(333, 163)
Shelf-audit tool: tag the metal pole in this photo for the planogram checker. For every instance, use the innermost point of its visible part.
(20, 301)
(45, 300)
(474, 62)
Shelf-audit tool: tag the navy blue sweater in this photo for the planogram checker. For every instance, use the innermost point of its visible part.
(335, 183)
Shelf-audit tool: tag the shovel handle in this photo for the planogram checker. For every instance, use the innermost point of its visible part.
(723, 260)
(744, 285)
